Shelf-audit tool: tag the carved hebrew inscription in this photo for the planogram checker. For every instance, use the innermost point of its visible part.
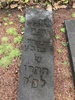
(37, 71)
(37, 58)
(37, 74)
(40, 22)
(39, 33)
(36, 45)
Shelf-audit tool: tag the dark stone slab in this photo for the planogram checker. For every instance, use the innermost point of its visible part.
(70, 29)
(37, 69)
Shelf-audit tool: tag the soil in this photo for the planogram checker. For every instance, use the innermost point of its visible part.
(9, 77)
(64, 87)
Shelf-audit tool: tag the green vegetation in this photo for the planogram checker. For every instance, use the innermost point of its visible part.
(6, 23)
(12, 31)
(4, 39)
(1, 50)
(9, 52)
(65, 1)
(59, 50)
(65, 44)
(5, 61)
(15, 53)
(62, 30)
(18, 39)
(73, 15)
(65, 62)
(22, 28)
(22, 19)
(9, 15)
(26, 1)
(10, 23)
(6, 48)
(5, 19)
(57, 37)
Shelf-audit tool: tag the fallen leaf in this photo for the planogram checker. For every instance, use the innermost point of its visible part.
(13, 5)
(16, 0)
(49, 8)
(73, 6)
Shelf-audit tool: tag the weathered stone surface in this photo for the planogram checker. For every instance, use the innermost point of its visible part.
(37, 69)
(70, 29)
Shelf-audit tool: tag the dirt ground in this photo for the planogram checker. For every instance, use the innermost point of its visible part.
(64, 87)
(9, 77)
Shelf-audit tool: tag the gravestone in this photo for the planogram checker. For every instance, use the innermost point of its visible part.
(70, 29)
(37, 68)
